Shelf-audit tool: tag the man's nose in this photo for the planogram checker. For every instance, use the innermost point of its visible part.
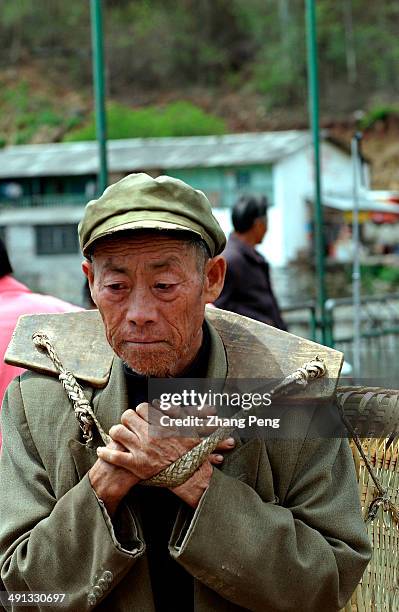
(142, 308)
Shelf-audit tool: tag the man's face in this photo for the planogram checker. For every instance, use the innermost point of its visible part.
(151, 296)
(261, 228)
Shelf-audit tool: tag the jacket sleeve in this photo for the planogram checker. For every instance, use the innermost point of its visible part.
(65, 545)
(306, 552)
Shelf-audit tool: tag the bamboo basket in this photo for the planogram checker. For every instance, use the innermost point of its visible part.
(378, 591)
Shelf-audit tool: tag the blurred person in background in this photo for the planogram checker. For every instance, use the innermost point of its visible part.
(247, 288)
(15, 300)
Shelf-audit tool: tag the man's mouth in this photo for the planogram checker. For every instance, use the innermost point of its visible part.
(143, 341)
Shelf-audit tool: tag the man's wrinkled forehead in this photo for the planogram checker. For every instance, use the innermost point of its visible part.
(149, 251)
(110, 265)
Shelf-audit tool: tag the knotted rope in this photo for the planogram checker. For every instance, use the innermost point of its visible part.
(81, 405)
(309, 371)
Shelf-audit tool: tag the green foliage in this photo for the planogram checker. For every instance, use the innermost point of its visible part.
(175, 119)
(377, 278)
(17, 97)
(390, 275)
(257, 45)
(28, 113)
(28, 123)
(13, 12)
(378, 113)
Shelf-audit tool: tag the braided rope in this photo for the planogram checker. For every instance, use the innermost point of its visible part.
(184, 467)
(83, 411)
(315, 368)
(180, 470)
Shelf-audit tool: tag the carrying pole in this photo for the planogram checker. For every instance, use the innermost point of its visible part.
(99, 90)
(313, 103)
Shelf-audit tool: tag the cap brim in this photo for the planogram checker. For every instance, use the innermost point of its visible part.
(137, 225)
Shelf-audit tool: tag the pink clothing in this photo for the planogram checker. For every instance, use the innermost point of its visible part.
(16, 300)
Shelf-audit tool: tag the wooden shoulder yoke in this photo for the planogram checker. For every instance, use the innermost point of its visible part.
(80, 341)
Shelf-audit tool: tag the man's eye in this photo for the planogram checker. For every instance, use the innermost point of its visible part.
(164, 286)
(116, 286)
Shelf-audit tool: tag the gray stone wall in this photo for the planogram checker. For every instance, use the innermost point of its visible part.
(58, 275)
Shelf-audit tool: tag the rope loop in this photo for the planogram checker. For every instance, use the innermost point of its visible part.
(83, 411)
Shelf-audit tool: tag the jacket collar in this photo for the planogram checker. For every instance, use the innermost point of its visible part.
(246, 249)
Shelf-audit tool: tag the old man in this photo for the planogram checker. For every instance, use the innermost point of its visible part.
(261, 525)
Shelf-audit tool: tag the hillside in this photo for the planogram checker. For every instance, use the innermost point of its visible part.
(183, 67)
(36, 108)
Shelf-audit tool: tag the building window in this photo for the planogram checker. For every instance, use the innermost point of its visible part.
(57, 239)
(243, 178)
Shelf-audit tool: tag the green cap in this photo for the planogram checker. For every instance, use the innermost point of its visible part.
(139, 201)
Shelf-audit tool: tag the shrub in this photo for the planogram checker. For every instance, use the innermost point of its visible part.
(378, 113)
(175, 119)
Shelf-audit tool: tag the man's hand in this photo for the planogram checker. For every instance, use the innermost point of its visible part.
(111, 483)
(193, 489)
(148, 450)
(145, 451)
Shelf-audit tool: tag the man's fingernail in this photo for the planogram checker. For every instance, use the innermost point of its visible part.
(230, 441)
(219, 457)
(99, 449)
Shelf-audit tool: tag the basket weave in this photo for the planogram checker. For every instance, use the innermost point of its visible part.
(378, 590)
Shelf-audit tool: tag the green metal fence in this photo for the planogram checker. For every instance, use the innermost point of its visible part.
(379, 316)
(301, 319)
(379, 344)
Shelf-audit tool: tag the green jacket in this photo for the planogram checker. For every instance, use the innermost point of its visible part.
(279, 527)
